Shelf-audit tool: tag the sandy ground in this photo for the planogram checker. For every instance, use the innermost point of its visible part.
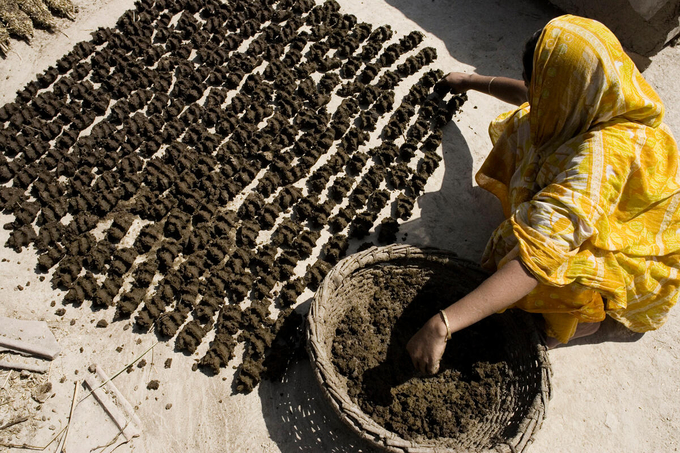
(608, 395)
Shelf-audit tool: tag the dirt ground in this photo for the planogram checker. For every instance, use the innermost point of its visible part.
(608, 395)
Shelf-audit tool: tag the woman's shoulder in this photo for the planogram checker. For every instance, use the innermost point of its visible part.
(595, 151)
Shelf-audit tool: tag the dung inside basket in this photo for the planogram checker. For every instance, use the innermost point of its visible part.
(512, 412)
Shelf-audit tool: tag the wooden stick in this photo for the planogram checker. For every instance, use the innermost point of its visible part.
(30, 348)
(35, 367)
(120, 416)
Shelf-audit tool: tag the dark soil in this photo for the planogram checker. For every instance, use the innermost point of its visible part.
(370, 351)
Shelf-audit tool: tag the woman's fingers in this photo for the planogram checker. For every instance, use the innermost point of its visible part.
(433, 367)
(427, 346)
(441, 87)
(423, 366)
(426, 364)
(455, 82)
(413, 349)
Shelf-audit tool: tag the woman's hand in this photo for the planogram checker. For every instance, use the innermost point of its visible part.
(427, 346)
(505, 287)
(454, 82)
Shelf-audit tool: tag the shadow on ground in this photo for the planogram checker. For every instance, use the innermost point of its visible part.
(480, 33)
(299, 419)
(610, 331)
(459, 216)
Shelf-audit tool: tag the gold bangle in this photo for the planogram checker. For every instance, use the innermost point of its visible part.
(488, 88)
(446, 323)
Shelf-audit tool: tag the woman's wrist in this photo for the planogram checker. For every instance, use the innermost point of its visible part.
(469, 82)
(479, 83)
(438, 328)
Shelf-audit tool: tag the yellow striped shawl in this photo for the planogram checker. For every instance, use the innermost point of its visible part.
(589, 180)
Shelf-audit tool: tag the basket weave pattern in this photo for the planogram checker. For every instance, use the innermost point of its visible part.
(510, 427)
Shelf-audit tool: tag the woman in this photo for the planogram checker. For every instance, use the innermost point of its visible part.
(589, 181)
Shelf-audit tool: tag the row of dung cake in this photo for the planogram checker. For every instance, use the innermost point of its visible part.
(305, 239)
(154, 177)
(119, 110)
(26, 176)
(121, 261)
(108, 203)
(144, 130)
(306, 209)
(251, 205)
(302, 241)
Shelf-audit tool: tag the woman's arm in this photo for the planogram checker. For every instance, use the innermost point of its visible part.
(502, 289)
(508, 90)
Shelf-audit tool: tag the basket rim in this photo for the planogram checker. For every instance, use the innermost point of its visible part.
(349, 412)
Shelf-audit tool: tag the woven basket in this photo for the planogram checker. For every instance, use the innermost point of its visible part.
(513, 422)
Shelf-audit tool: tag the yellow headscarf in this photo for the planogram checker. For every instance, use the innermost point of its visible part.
(582, 78)
(588, 177)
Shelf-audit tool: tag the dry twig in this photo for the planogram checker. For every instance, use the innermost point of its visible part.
(13, 422)
(119, 372)
(7, 379)
(33, 447)
(62, 442)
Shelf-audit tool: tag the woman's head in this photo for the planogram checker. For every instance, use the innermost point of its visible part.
(581, 77)
(528, 56)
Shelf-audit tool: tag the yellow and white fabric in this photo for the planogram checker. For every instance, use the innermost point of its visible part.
(589, 180)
